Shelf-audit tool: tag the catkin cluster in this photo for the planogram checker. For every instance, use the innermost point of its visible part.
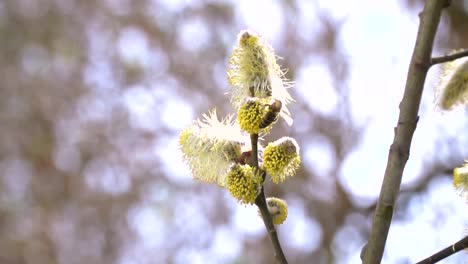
(219, 151)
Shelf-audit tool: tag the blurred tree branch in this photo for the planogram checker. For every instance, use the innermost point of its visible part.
(447, 58)
(446, 252)
(407, 121)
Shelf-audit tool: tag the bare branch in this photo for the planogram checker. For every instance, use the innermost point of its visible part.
(446, 252)
(447, 58)
(407, 121)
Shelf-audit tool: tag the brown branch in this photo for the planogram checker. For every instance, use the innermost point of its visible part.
(446, 252)
(447, 58)
(407, 120)
(260, 201)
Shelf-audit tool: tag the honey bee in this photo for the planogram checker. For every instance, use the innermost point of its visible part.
(271, 116)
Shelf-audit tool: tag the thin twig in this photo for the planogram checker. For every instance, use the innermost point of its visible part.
(260, 201)
(399, 150)
(447, 58)
(446, 252)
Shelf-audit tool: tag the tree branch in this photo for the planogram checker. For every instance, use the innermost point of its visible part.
(446, 252)
(447, 58)
(407, 120)
(260, 201)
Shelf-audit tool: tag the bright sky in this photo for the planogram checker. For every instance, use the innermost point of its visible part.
(382, 30)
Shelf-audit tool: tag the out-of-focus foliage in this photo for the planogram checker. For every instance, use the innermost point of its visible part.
(93, 95)
(454, 24)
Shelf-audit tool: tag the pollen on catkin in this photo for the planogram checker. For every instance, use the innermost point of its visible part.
(254, 72)
(243, 183)
(278, 209)
(210, 147)
(251, 114)
(452, 90)
(281, 159)
(460, 180)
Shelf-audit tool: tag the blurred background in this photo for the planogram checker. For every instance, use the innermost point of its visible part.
(93, 95)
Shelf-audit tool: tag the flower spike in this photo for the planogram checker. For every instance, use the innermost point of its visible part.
(243, 183)
(281, 159)
(211, 146)
(460, 180)
(453, 86)
(278, 209)
(254, 72)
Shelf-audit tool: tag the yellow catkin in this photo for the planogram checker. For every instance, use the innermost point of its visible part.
(254, 72)
(243, 183)
(278, 209)
(452, 90)
(250, 116)
(281, 159)
(210, 146)
(460, 180)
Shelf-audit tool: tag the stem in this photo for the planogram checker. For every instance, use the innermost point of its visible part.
(254, 143)
(407, 120)
(446, 252)
(260, 201)
(446, 58)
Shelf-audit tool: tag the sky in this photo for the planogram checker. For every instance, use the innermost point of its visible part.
(379, 40)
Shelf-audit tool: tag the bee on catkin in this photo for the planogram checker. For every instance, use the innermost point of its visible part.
(254, 73)
(272, 115)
